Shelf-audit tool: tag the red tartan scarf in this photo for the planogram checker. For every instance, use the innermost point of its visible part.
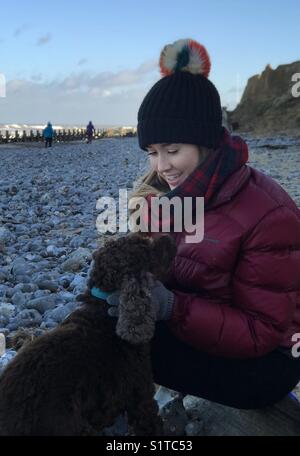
(205, 181)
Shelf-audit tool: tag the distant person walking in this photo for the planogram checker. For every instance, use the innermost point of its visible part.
(90, 132)
(48, 135)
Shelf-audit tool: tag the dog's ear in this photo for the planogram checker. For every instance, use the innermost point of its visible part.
(136, 321)
(163, 253)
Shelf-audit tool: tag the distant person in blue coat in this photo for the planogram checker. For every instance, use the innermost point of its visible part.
(90, 131)
(48, 134)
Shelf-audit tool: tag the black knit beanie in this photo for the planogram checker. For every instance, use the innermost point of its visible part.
(183, 106)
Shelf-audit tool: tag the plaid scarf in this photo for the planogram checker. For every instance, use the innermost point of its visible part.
(205, 181)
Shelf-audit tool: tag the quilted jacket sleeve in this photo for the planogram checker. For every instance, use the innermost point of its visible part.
(265, 289)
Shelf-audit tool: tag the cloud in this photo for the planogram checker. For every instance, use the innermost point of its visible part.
(232, 90)
(44, 39)
(107, 97)
(107, 80)
(37, 77)
(147, 67)
(18, 85)
(21, 30)
(82, 62)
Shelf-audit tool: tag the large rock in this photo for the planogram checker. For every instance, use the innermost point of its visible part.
(268, 105)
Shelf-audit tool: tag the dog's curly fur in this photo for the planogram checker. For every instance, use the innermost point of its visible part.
(77, 378)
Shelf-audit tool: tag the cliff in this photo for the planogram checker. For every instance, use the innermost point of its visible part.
(269, 104)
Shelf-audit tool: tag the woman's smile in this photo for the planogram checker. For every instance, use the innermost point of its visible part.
(173, 180)
(175, 162)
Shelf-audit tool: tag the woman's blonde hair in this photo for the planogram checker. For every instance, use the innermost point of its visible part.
(149, 183)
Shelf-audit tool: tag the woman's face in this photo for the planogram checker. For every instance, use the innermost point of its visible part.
(175, 162)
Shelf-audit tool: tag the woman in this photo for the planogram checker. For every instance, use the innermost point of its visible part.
(231, 305)
(90, 132)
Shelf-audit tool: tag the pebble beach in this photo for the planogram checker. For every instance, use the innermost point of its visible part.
(48, 218)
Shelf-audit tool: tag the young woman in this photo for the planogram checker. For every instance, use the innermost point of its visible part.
(90, 129)
(229, 313)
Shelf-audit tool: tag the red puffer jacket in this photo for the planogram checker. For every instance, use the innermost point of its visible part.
(237, 293)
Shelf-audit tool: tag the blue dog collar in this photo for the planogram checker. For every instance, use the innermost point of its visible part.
(97, 293)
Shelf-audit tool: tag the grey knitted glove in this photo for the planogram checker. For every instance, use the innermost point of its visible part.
(162, 299)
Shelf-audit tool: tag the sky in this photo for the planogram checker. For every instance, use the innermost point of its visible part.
(73, 61)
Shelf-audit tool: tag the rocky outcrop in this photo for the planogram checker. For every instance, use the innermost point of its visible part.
(270, 102)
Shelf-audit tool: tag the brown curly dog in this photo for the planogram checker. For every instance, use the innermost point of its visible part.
(77, 378)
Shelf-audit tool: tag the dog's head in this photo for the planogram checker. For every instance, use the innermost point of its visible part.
(130, 264)
(132, 255)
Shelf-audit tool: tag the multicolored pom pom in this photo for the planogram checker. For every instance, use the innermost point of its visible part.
(184, 55)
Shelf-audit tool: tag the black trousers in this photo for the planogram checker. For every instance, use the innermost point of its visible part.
(241, 383)
(48, 142)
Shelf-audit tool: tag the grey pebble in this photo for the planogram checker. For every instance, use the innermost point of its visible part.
(5, 235)
(7, 310)
(6, 358)
(47, 285)
(77, 260)
(65, 279)
(42, 304)
(78, 282)
(49, 324)
(58, 314)
(26, 318)
(19, 299)
(4, 320)
(20, 267)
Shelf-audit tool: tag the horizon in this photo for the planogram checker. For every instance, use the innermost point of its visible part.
(35, 126)
(100, 64)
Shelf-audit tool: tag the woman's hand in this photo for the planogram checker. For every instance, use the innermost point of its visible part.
(161, 298)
